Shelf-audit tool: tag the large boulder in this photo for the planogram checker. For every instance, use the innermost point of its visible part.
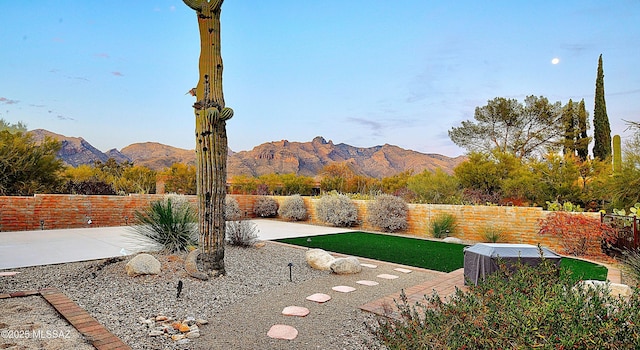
(319, 259)
(346, 266)
(452, 240)
(143, 264)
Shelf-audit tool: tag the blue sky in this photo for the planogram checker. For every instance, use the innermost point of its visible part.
(359, 72)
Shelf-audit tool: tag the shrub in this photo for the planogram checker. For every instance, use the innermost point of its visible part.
(293, 208)
(241, 233)
(631, 265)
(388, 213)
(169, 224)
(231, 209)
(89, 187)
(337, 210)
(531, 307)
(492, 234)
(444, 225)
(265, 207)
(579, 234)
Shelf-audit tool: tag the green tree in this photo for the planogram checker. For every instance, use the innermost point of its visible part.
(180, 178)
(137, 179)
(570, 122)
(601, 128)
(583, 140)
(296, 184)
(435, 187)
(12, 128)
(211, 137)
(507, 126)
(27, 167)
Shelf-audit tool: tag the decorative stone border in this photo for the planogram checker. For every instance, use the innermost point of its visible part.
(89, 327)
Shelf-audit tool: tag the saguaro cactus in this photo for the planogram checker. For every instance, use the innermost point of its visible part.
(617, 154)
(211, 138)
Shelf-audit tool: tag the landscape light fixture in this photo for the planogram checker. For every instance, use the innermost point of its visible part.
(290, 276)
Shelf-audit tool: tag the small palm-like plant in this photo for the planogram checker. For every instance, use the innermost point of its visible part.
(169, 225)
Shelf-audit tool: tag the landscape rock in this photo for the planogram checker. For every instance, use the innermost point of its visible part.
(191, 265)
(143, 264)
(319, 259)
(615, 289)
(346, 266)
(452, 240)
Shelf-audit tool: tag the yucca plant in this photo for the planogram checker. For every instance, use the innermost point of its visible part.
(168, 225)
(443, 226)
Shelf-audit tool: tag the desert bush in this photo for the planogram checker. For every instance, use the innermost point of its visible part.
(389, 213)
(527, 308)
(337, 209)
(293, 208)
(443, 225)
(492, 234)
(89, 187)
(242, 233)
(631, 265)
(579, 234)
(265, 207)
(168, 224)
(231, 209)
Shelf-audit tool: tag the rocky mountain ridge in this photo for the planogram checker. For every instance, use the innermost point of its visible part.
(283, 157)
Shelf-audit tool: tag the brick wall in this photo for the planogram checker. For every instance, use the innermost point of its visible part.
(520, 224)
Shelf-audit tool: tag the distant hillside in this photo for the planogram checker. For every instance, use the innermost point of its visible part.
(302, 158)
(308, 158)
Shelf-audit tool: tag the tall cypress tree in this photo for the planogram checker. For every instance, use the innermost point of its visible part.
(570, 122)
(601, 128)
(582, 140)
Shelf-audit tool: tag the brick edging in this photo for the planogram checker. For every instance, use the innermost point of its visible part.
(89, 327)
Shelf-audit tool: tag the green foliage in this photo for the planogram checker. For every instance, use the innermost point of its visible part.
(293, 209)
(12, 128)
(529, 308)
(492, 234)
(566, 206)
(582, 139)
(265, 207)
(336, 209)
(179, 178)
(601, 127)
(508, 126)
(89, 187)
(389, 213)
(342, 178)
(443, 225)
(435, 187)
(26, 166)
(169, 224)
(242, 233)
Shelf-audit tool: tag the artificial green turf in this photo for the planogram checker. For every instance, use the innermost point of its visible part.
(431, 255)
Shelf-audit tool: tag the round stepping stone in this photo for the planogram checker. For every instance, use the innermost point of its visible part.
(343, 289)
(368, 283)
(387, 276)
(319, 298)
(282, 331)
(295, 311)
(371, 266)
(9, 273)
(399, 269)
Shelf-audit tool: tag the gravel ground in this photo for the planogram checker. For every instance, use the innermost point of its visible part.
(240, 307)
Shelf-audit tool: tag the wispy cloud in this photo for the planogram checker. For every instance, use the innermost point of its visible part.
(370, 124)
(7, 101)
(62, 117)
(102, 55)
(117, 74)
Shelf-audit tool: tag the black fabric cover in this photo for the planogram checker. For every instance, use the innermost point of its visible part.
(481, 259)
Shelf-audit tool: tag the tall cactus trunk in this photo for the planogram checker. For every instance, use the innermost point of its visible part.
(211, 138)
(617, 154)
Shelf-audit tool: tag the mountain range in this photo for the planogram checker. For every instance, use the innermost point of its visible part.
(282, 157)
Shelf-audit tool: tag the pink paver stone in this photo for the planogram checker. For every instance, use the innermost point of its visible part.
(9, 273)
(399, 269)
(319, 297)
(343, 289)
(371, 266)
(295, 311)
(387, 276)
(282, 331)
(367, 283)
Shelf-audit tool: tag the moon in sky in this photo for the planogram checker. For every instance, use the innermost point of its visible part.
(555, 60)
